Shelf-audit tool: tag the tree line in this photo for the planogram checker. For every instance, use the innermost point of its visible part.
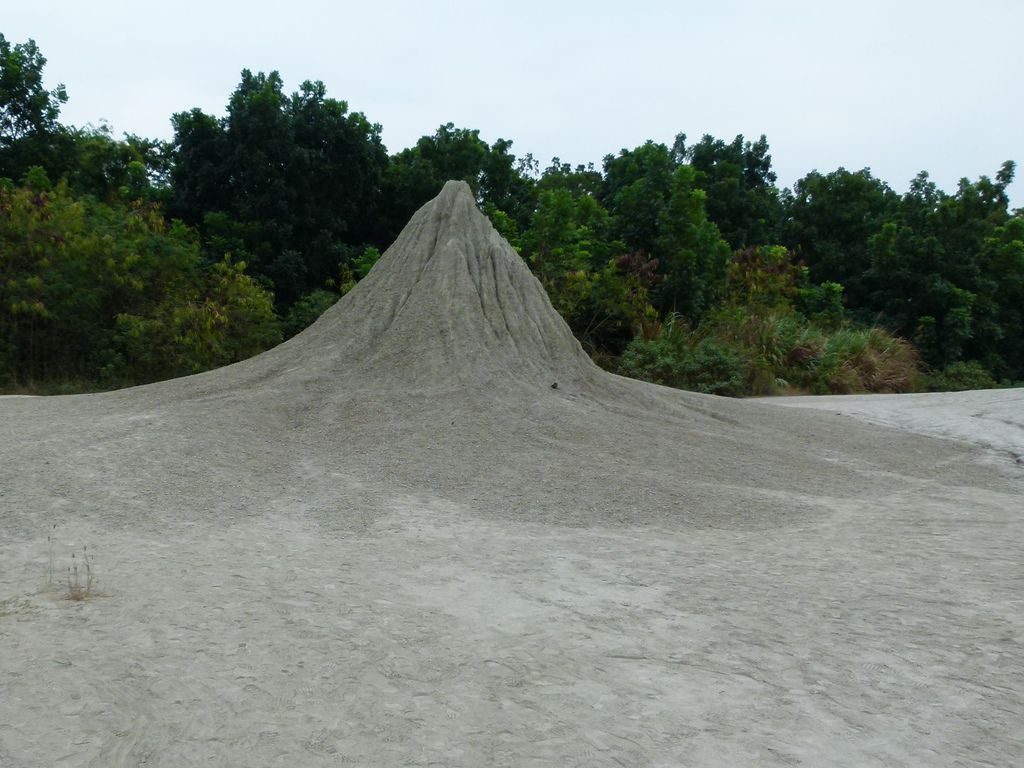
(127, 260)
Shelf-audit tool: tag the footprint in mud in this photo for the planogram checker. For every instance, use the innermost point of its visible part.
(280, 702)
(327, 669)
(320, 742)
(312, 695)
(865, 673)
(585, 751)
(514, 679)
(559, 730)
(874, 671)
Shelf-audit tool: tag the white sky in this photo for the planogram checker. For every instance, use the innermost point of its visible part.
(896, 86)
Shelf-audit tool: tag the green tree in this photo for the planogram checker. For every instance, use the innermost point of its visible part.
(830, 220)
(581, 180)
(637, 187)
(98, 164)
(198, 178)
(416, 174)
(304, 312)
(942, 272)
(1002, 261)
(568, 244)
(737, 178)
(692, 254)
(508, 183)
(29, 131)
(337, 170)
(110, 294)
(294, 182)
(658, 210)
(68, 266)
(224, 318)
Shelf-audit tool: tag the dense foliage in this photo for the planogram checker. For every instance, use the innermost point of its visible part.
(113, 294)
(129, 260)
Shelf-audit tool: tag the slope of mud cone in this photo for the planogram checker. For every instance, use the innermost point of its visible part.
(450, 302)
(449, 305)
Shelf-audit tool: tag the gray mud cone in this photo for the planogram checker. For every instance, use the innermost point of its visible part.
(450, 302)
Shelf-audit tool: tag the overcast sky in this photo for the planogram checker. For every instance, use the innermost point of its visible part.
(896, 86)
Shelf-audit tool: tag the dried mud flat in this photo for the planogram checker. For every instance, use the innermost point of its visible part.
(391, 541)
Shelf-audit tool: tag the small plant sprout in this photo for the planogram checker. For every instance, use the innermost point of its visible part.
(49, 541)
(80, 576)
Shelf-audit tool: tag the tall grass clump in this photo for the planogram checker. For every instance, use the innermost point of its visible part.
(867, 360)
(80, 576)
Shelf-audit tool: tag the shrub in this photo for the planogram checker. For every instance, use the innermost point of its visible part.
(758, 352)
(866, 360)
(678, 358)
(306, 310)
(960, 377)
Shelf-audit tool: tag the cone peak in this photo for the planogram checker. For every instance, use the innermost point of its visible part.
(455, 189)
(456, 205)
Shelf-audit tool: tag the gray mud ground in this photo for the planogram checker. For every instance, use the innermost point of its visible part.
(391, 542)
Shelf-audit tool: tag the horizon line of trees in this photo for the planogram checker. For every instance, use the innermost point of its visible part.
(127, 260)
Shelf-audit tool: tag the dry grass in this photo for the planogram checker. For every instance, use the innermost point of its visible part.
(80, 577)
(79, 580)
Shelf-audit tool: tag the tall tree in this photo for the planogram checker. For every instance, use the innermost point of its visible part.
(637, 186)
(291, 183)
(601, 293)
(659, 211)
(692, 254)
(830, 219)
(1002, 261)
(508, 183)
(29, 129)
(942, 271)
(496, 176)
(197, 175)
(112, 293)
(737, 178)
(581, 180)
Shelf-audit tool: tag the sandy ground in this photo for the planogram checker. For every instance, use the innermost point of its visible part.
(992, 419)
(391, 541)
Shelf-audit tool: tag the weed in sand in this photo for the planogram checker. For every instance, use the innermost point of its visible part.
(80, 577)
(49, 573)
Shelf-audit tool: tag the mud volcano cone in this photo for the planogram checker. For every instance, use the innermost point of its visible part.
(450, 303)
(433, 378)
